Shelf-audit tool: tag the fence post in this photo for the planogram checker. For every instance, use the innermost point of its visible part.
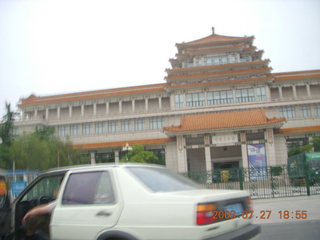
(241, 178)
(306, 172)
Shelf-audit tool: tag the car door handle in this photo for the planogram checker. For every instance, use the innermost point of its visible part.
(103, 213)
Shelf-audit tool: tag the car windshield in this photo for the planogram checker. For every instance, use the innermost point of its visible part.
(162, 179)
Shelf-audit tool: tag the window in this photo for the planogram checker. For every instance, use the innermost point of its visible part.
(99, 128)
(244, 59)
(126, 125)
(179, 100)
(139, 124)
(86, 129)
(305, 111)
(216, 60)
(63, 131)
(220, 97)
(112, 126)
(162, 179)
(74, 130)
(195, 99)
(234, 58)
(288, 112)
(188, 63)
(244, 95)
(88, 188)
(156, 123)
(317, 110)
(261, 94)
(47, 186)
(198, 61)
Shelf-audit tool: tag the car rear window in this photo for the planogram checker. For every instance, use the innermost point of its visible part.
(162, 179)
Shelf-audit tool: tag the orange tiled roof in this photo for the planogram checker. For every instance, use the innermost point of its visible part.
(123, 143)
(214, 38)
(298, 130)
(295, 77)
(224, 120)
(34, 100)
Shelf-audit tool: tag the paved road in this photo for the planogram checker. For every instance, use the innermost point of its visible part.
(280, 218)
(276, 207)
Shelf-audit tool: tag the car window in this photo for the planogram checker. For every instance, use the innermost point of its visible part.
(45, 187)
(89, 188)
(162, 179)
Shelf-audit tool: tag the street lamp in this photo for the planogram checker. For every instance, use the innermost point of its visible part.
(127, 148)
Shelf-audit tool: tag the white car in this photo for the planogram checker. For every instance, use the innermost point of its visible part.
(131, 202)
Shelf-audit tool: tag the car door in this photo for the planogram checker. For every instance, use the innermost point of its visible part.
(42, 190)
(89, 204)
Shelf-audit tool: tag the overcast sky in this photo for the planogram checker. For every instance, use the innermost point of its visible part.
(61, 46)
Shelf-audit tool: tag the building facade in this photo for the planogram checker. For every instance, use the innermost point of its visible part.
(221, 107)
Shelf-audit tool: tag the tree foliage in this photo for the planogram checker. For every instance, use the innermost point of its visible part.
(42, 150)
(313, 145)
(140, 155)
(6, 135)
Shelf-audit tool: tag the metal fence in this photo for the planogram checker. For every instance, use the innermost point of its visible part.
(268, 182)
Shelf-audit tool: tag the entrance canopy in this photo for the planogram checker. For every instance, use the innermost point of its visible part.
(215, 122)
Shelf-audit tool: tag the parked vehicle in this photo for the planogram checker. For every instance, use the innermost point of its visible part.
(131, 202)
(4, 207)
(304, 166)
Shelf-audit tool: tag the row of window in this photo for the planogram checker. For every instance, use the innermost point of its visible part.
(110, 127)
(305, 111)
(221, 97)
(215, 60)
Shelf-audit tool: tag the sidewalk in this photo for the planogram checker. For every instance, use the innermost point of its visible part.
(290, 209)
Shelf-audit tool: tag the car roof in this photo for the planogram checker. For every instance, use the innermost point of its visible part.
(100, 166)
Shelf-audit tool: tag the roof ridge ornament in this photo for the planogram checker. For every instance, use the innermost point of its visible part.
(212, 30)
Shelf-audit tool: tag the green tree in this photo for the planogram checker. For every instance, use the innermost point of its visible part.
(42, 150)
(313, 145)
(6, 135)
(140, 155)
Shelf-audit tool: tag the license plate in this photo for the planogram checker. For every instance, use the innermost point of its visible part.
(237, 207)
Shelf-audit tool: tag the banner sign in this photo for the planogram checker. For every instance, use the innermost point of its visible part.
(17, 187)
(257, 161)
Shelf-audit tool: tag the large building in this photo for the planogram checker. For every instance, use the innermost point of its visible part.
(221, 107)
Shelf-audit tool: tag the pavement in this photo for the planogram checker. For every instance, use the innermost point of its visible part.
(289, 209)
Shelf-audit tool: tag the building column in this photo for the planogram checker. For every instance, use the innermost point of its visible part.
(308, 90)
(294, 89)
(310, 138)
(116, 156)
(133, 105)
(94, 109)
(280, 92)
(182, 154)
(47, 113)
(244, 150)
(172, 102)
(147, 104)
(58, 113)
(35, 113)
(270, 148)
(120, 106)
(82, 110)
(160, 102)
(207, 153)
(93, 157)
(268, 93)
(107, 107)
(70, 111)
